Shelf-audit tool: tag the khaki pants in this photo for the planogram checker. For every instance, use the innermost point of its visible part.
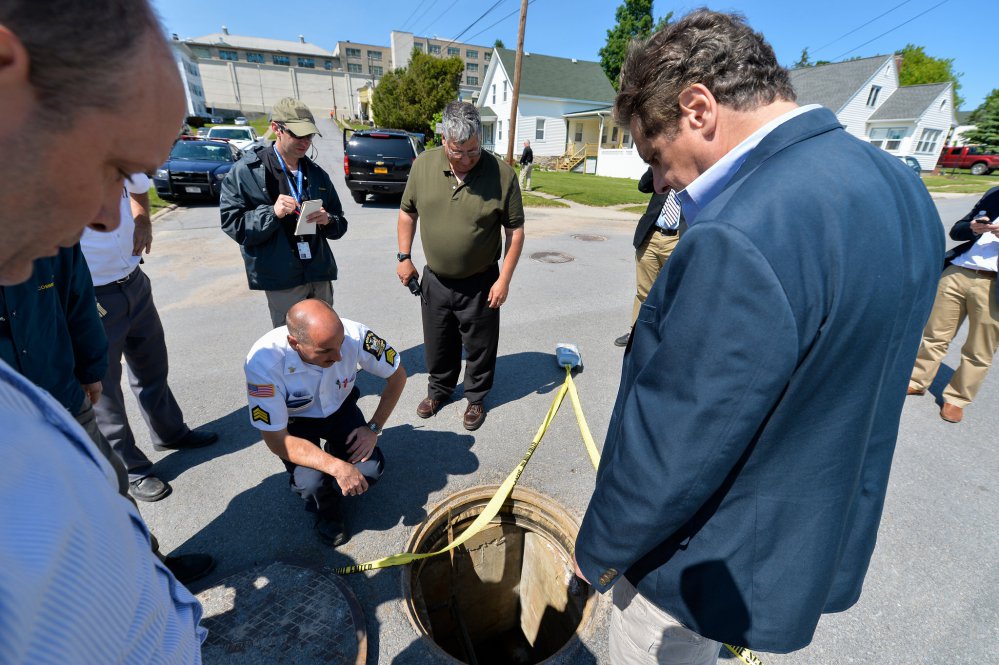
(279, 302)
(643, 634)
(650, 258)
(961, 294)
(525, 175)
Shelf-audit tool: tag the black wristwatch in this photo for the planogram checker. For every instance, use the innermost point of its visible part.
(402, 257)
(374, 428)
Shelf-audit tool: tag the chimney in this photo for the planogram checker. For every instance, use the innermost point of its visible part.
(301, 38)
(898, 62)
(225, 30)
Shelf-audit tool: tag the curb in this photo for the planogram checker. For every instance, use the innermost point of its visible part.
(163, 211)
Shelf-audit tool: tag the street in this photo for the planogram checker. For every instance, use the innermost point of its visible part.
(930, 595)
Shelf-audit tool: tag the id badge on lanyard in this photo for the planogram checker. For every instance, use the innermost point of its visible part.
(304, 252)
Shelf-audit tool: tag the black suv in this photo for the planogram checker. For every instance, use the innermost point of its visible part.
(195, 168)
(377, 161)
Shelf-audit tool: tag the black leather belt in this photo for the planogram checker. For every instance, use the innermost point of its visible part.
(665, 232)
(118, 283)
(990, 274)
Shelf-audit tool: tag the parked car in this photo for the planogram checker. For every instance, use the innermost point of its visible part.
(195, 168)
(202, 132)
(240, 120)
(378, 161)
(971, 157)
(241, 137)
(912, 163)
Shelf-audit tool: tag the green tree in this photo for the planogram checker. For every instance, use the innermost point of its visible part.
(918, 67)
(804, 60)
(633, 20)
(408, 98)
(986, 120)
(498, 44)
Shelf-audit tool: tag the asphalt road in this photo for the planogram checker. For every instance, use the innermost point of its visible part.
(930, 595)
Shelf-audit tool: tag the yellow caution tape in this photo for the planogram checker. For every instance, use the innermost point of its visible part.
(493, 507)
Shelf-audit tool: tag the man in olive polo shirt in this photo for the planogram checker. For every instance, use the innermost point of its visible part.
(464, 197)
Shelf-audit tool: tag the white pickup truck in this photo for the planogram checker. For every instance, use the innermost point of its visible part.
(243, 137)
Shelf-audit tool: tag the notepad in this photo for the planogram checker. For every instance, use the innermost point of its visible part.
(304, 228)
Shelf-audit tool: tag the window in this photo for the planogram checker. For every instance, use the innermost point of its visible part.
(471, 55)
(872, 96)
(228, 55)
(928, 141)
(472, 67)
(499, 130)
(377, 70)
(307, 62)
(887, 138)
(280, 60)
(374, 55)
(201, 51)
(328, 65)
(494, 93)
(434, 49)
(488, 56)
(471, 80)
(418, 46)
(353, 52)
(453, 50)
(539, 129)
(578, 136)
(254, 57)
(626, 139)
(504, 91)
(353, 68)
(614, 134)
(192, 68)
(603, 136)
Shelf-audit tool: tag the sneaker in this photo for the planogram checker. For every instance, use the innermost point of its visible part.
(428, 407)
(189, 567)
(193, 439)
(149, 489)
(475, 415)
(623, 339)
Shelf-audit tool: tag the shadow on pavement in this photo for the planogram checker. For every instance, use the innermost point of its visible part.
(235, 433)
(940, 382)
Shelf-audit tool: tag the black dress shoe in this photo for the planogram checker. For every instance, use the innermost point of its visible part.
(193, 439)
(331, 531)
(189, 567)
(149, 489)
(623, 339)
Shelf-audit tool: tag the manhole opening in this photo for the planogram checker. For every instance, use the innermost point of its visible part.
(504, 595)
(589, 237)
(551, 257)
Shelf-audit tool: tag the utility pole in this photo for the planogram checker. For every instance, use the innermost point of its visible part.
(512, 139)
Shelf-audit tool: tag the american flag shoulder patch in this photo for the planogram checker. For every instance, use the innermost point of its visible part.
(260, 389)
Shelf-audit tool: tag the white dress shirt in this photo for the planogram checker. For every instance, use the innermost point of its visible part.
(109, 255)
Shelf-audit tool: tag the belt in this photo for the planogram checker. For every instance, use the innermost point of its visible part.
(988, 274)
(118, 283)
(665, 232)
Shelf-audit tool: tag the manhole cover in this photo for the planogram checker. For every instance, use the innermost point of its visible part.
(283, 614)
(589, 237)
(551, 257)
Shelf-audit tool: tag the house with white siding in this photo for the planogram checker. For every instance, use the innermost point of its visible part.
(550, 88)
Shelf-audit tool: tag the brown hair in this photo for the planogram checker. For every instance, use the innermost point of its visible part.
(719, 51)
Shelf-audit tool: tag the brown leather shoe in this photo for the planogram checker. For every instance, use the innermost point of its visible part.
(951, 412)
(475, 415)
(914, 391)
(428, 407)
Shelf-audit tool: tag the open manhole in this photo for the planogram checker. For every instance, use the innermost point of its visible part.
(551, 257)
(503, 597)
(589, 237)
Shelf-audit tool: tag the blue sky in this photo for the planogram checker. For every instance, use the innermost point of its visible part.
(578, 29)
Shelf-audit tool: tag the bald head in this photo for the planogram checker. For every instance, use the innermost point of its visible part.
(315, 332)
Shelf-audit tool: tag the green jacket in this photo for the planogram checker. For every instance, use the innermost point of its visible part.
(268, 244)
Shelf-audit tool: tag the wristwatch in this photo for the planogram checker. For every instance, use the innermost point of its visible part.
(375, 427)
(402, 257)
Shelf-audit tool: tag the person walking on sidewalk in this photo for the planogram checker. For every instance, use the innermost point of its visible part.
(526, 166)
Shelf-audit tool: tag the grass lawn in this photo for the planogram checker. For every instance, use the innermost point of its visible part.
(591, 190)
(638, 210)
(534, 201)
(155, 202)
(960, 182)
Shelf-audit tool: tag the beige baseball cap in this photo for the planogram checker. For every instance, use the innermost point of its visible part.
(296, 116)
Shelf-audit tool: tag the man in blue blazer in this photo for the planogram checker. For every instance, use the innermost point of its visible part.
(747, 457)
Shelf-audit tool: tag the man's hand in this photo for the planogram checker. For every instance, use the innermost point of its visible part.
(92, 391)
(360, 443)
(142, 237)
(284, 206)
(320, 218)
(406, 271)
(498, 293)
(351, 481)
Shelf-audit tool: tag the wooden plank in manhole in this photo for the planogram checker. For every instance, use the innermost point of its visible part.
(551, 257)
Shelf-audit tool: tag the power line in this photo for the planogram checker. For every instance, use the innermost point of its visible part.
(484, 14)
(515, 11)
(425, 12)
(905, 2)
(418, 5)
(432, 23)
(943, 2)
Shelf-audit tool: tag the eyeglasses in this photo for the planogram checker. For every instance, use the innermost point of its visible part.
(459, 154)
(307, 137)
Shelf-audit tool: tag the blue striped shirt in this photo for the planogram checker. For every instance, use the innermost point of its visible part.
(78, 581)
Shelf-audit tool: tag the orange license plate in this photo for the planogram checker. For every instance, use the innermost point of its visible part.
(381, 169)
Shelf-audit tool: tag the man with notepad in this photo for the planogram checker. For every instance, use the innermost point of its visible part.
(281, 208)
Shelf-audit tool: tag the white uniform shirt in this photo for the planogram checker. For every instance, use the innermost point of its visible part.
(109, 255)
(280, 384)
(982, 255)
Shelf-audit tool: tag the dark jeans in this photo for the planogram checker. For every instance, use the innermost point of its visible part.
(320, 491)
(456, 313)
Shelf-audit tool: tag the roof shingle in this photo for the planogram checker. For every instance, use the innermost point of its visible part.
(834, 84)
(548, 76)
(910, 102)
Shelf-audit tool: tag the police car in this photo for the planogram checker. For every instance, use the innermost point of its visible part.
(195, 169)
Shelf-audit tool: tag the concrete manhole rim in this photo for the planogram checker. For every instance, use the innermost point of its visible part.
(471, 502)
(552, 257)
(589, 237)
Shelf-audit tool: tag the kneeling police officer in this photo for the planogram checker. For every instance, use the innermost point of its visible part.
(300, 382)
